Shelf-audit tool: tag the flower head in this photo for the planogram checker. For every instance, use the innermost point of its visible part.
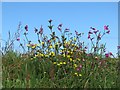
(106, 27)
(18, 39)
(41, 30)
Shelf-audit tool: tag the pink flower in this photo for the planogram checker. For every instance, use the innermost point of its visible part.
(18, 39)
(41, 30)
(78, 69)
(80, 66)
(110, 53)
(76, 32)
(59, 28)
(26, 27)
(106, 27)
(88, 36)
(107, 55)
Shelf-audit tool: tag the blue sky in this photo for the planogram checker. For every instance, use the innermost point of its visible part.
(78, 16)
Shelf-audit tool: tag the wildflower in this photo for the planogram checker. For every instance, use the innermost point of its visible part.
(80, 66)
(61, 63)
(76, 74)
(18, 39)
(58, 64)
(74, 39)
(96, 58)
(76, 32)
(80, 75)
(106, 27)
(26, 27)
(107, 55)
(46, 55)
(59, 28)
(54, 62)
(88, 36)
(71, 59)
(50, 46)
(64, 62)
(33, 46)
(63, 55)
(44, 72)
(41, 30)
(78, 69)
(75, 65)
(68, 56)
(42, 43)
(36, 55)
(110, 53)
(52, 54)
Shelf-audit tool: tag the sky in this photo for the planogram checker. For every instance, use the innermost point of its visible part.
(79, 16)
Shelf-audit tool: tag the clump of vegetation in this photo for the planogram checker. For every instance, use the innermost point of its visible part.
(59, 62)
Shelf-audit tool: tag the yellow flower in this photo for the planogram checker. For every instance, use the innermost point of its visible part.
(71, 59)
(54, 62)
(42, 55)
(58, 64)
(73, 45)
(36, 55)
(68, 56)
(42, 43)
(76, 74)
(31, 58)
(61, 63)
(50, 46)
(52, 54)
(80, 75)
(78, 59)
(75, 65)
(33, 46)
(64, 62)
(46, 55)
(63, 55)
(74, 39)
(71, 52)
